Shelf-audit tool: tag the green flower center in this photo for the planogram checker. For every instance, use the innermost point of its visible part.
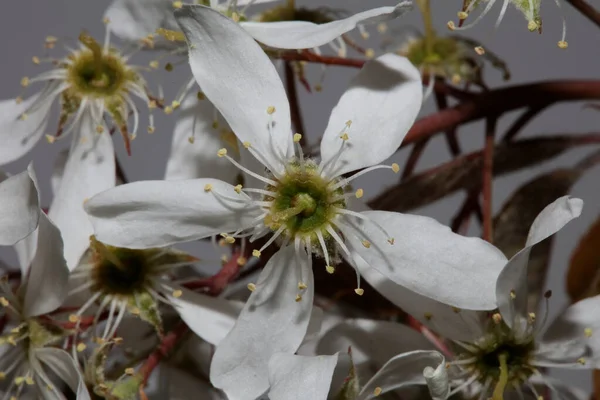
(120, 271)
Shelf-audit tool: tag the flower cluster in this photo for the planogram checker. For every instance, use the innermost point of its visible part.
(101, 295)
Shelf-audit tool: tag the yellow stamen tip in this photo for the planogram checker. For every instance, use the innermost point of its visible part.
(238, 188)
(359, 291)
(247, 145)
(99, 129)
(497, 318)
(241, 261)
(4, 302)
(395, 168)
(25, 81)
(235, 17)
(153, 64)
(297, 137)
(177, 4)
(513, 294)
(175, 104)
(177, 293)
(168, 110)
(230, 239)
(587, 332)
(81, 347)
(130, 371)
(366, 243)
(428, 316)
(256, 253)
(581, 361)
(208, 187)
(35, 60)
(479, 50)
(369, 53)
(377, 391)
(191, 140)
(451, 25)
(270, 110)
(222, 152)
(563, 44)
(344, 136)
(151, 129)
(302, 285)
(462, 15)
(251, 287)
(532, 26)
(330, 269)
(298, 298)
(200, 96)
(359, 193)
(73, 318)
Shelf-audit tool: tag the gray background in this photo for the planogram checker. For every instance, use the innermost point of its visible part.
(25, 23)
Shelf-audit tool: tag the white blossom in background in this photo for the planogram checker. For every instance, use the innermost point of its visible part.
(501, 351)
(20, 209)
(26, 344)
(300, 203)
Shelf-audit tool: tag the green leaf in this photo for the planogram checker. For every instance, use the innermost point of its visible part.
(351, 387)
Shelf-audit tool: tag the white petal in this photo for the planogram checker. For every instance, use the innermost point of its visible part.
(90, 170)
(513, 277)
(211, 318)
(567, 334)
(132, 20)
(160, 213)
(428, 258)
(20, 208)
(559, 389)
(18, 136)
(59, 170)
(299, 377)
(176, 384)
(315, 324)
(199, 159)
(48, 274)
(404, 370)
(305, 35)
(439, 317)
(271, 322)
(238, 77)
(372, 341)
(63, 365)
(25, 250)
(382, 102)
(254, 2)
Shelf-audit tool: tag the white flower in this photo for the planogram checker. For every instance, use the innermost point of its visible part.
(19, 207)
(94, 79)
(301, 203)
(26, 346)
(494, 352)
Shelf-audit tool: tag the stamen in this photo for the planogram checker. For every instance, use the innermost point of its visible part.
(223, 153)
(344, 182)
(365, 218)
(502, 379)
(464, 385)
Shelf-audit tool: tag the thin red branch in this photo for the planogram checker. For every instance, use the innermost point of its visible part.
(488, 172)
(460, 222)
(451, 139)
(218, 282)
(292, 93)
(590, 12)
(306, 55)
(499, 101)
(164, 348)
(413, 158)
(523, 120)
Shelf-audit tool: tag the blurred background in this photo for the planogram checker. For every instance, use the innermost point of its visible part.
(24, 25)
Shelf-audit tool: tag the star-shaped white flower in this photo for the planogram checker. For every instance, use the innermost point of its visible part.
(26, 347)
(497, 351)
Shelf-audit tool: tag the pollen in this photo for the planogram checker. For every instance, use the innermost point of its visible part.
(359, 291)
(177, 293)
(177, 4)
(151, 129)
(99, 129)
(532, 26)
(4, 302)
(451, 25)
(581, 361)
(329, 269)
(230, 239)
(256, 253)
(241, 261)
(208, 187)
(369, 53)
(513, 294)
(302, 285)
(366, 243)
(377, 391)
(479, 50)
(19, 380)
(222, 152)
(270, 110)
(81, 347)
(531, 317)
(298, 298)
(344, 136)
(247, 145)
(73, 318)
(462, 15)
(175, 104)
(191, 140)
(251, 287)
(297, 137)
(238, 188)
(35, 60)
(382, 28)
(153, 64)
(25, 81)
(29, 381)
(497, 318)
(587, 332)
(359, 193)
(563, 44)
(168, 110)
(395, 168)
(130, 371)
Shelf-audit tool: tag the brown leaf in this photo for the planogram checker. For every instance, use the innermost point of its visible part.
(583, 276)
(465, 172)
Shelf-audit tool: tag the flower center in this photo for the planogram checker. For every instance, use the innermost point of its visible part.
(96, 72)
(302, 201)
(123, 272)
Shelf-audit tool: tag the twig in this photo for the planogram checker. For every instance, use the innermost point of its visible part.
(119, 171)
(217, 283)
(164, 348)
(442, 103)
(520, 123)
(290, 84)
(471, 203)
(590, 12)
(488, 167)
(312, 57)
(413, 158)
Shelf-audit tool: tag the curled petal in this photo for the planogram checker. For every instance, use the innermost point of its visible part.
(20, 207)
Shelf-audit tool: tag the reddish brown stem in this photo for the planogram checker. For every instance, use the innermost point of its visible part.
(520, 123)
(590, 12)
(413, 158)
(451, 139)
(488, 167)
(164, 348)
(217, 283)
(312, 57)
(290, 84)
(460, 222)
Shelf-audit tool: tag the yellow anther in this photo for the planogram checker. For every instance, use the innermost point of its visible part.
(222, 152)
(531, 317)
(81, 347)
(117, 340)
(106, 20)
(19, 100)
(462, 15)
(177, 4)
(151, 129)
(152, 104)
(19, 380)
(36, 60)
(382, 28)
(270, 110)
(175, 104)
(581, 360)
(297, 137)
(395, 168)
(247, 145)
(587, 332)
(366, 243)
(456, 79)
(365, 35)
(359, 291)
(23, 116)
(11, 340)
(318, 87)
(235, 17)
(349, 123)
(532, 26)
(50, 139)
(135, 311)
(369, 53)
(329, 269)
(298, 298)
(4, 302)
(2, 376)
(224, 258)
(344, 136)
(153, 64)
(73, 318)
(451, 25)
(208, 187)
(256, 253)
(359, 193)
(238, 188)
(191, 140)
(99, 129)
(25, 81)
(497, 318)
(479, 50)
(200, 96)
(563, 44)
(86, 200)
(391, 241)
(129, 371)
(428, 316)
(377, 391)
(168, 110)
(251, 287)
(302, 285)
(241, 261)
(177, 293)
(456, 310)
(230, 239)
(513, 294)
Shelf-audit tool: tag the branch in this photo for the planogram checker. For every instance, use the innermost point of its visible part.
(290, 84)
(164, 348)
(315, 58)
(499, 101)
(590, 12)
(488, 167)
